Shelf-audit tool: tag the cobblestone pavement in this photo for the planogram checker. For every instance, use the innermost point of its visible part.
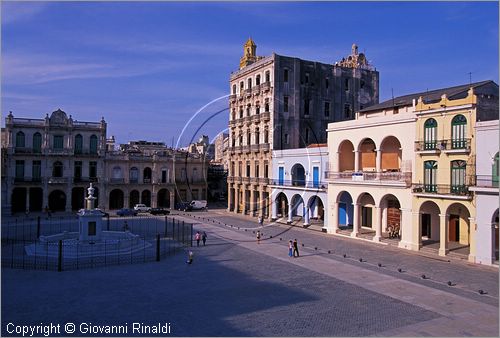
(236, 287)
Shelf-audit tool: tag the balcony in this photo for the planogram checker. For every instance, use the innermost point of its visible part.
(265, 116)
(256, 89)
(232, 123)
(256, 118)
(299, 184)
(230, 179)
(246, 180)
(266, 86)
(442, 190)
(457, 146)
(239, 149)
(263, 180)
(247, 119)
(453, 146)
(255, 148)
(146, 180)
(59, 152)
(85, 179)
(26, 150)
(375, 178)
(254, 180)
(247, 149)
(58, 180)
(264, 147)
(248, 92)
(28, 180)
(232, 97)
(486, 181)
(116, 180)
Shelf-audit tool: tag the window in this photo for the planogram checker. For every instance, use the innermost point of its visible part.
(78, 144)
(249, 83)
(285, 75)
(57, 169)
(257, 110)
(183, 174)
(459, 132)
(346, 85)
(266, 136)
(241, 113)
(495, 171)
(240, 140)
(233, 140)
(458, 177)
(256, 169)
(268, 76)
(92, 169)
(257, 80)
(58, 142)
(232, 169)
(233, 115)
(239, 169)
(286, 138)
(234, 89)
(93, 144)
(257, 136)
(248, 169)
(347, 111)
(36, 171)
(430, 133)
(430, 176)
(362, 84)
(306, 107)
(37, 143)
(20, 169)
(78, 170)
(134, 175)
(164, 176)
(248, 110)
(20, 140)
(194, 178)
(266, 107)
(266, 170)
(117, 172)
(242, 86)
(285, 104)
(307, 78)
(249, 136)
(327, 83)
(327, 109)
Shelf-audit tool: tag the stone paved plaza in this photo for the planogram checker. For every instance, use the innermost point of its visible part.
(237, 287)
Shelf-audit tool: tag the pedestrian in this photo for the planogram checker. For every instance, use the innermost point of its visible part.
(204, 238)
(190, 257)
(261, 220)
(295, 248)
(258, 236)
(290, 248)
(197, 237)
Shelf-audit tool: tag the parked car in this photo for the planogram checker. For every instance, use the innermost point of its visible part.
(198, 205)
(126, 212)
(141, 208)
(159, 211)
(182, 206)
(104, 214)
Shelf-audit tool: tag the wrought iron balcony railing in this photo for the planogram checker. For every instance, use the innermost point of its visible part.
(441, 189)
(370, 177)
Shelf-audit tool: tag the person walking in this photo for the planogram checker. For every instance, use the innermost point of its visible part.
(258, 236)
(295, 248)
(290, 248)
(190, 257)
(204, 238)
(261, 220)
(197, 237)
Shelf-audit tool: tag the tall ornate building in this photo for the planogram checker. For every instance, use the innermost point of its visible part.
(280, 102)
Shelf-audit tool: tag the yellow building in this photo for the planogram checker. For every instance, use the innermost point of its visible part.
(445, 160)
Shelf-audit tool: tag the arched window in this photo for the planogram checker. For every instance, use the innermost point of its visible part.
(20, 140)
(459, 132)
(458, 177)
(93, 144)
(37, 143)
(266, 136)
(249, 135)
(248, 110)
(430, 134)
(430, 176)
(147, 173)
(266, 107)
(117, 172)
(57, 169)
(233, 115)
(242, 86)
(268, 76)
(234, 89)
(257, 110)
(233, 140)
(495, 171)
(241, 113)
(78, 144)
(257, 80)
(134, 175)
(249, 83)
(257, 136)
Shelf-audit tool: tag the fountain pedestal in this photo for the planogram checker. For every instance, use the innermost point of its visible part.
(90, 220)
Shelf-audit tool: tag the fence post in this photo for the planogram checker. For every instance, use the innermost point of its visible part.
(166, 226)
(38, 227)
(107, 221)
(158, 247)
(59, 258)
(183, 236)
(191, 234)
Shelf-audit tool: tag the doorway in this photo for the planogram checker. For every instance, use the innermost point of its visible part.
(454, 228)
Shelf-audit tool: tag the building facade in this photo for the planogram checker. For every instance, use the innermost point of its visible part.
(278, 103)
(51, 161)
(299, 192)
(486, 192)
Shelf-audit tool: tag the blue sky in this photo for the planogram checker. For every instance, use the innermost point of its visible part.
(148, 67)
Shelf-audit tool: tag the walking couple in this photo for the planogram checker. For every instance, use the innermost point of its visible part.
(199, 237)
(293, 248)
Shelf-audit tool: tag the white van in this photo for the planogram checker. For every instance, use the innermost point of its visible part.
(141, 208)
(198, 205)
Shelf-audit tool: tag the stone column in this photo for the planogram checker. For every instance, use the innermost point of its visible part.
(126, 198)
(334, 221)
(356, 160)
(172, 200)
(384, 218)
(229, 197)
(290, 211)
(416, 231)
(378, 224)
(336, 163)
(306, 216)
(251, 205)
(274, 211)
(69, 196)
(244, 192)
(261, 204)
(472, 240)
(236, 200)
(443, 234)
(378, 162)
(355, 225)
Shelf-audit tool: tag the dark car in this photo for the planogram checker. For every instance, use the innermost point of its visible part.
(126, 212)
(159, 211)
(104, 214)
(183, 206)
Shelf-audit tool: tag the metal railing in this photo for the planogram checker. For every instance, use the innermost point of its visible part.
(441, 145)
(486, 181)
(27, 180)
(299, 183)
(266, 86)
(369, 176)
(85, 179)
(58, 180)
(441, 189)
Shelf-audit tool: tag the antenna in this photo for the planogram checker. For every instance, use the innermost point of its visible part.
(392, 92)
(470, 77)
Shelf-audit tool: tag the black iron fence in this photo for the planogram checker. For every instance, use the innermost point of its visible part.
(52, 244)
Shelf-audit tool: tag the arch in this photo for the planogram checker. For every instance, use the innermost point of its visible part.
(77, 198)
(78, 144)
(20, 140)
(458, 132)
(93, 144)
(297, 205)
(257, 80)
(345, 209)
(458, 223)
(391, 213)
(146, 197)
(366, 202)
(298, 175)
(367, 153)
(134, 175)
(36, 199)
(116, 199)
(281, 205)
(146, 175)
(57, 169)
(430, 134)
(316, 208)
(134, 198)
(429, 223)
(391, 154)
(37, 142)
(18, 200)
(57, 201)
(346, 156)
(163, 198)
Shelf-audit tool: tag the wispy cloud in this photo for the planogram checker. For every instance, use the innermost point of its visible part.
(20, 11)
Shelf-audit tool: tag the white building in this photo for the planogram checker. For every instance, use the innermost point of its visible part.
(486, 191)
(298, 185)
(370, 174)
